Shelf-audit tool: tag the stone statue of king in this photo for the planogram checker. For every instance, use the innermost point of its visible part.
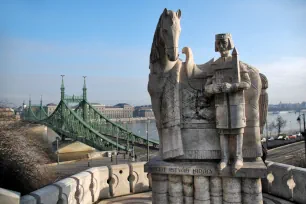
(209, 119)
(228, 83)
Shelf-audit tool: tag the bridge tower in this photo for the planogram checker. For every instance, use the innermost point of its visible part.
(85, 106)
(62, 106)
(30, 101)
(62, 88)
(30, 107)
(41, 108)
(23, 113)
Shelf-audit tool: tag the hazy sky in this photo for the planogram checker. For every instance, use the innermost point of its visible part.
(110, 41)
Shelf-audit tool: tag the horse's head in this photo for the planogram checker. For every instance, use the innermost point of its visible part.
(170, 30)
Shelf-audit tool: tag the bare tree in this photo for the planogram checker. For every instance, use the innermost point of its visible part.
(21, 160)
(279, 124)
(271, 127)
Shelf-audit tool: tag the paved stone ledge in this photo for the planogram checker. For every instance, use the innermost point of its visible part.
(146, 198)
(140, 198)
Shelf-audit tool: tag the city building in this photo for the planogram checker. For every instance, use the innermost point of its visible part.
(99, 107)
(121, 110)
(143, 111)
(50, 108)
(287, 106)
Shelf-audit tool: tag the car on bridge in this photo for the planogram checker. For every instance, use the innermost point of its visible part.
(282, 137)
(292, 136)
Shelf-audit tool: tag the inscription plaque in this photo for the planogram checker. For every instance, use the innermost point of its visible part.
(183, 170)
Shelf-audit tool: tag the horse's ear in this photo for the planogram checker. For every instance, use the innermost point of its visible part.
(179, 13)
(165, 12)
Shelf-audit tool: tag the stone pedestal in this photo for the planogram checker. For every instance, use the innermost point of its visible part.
(201, 182)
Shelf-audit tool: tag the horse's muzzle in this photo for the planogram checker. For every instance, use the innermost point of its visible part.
(172, 58)
(172, 53)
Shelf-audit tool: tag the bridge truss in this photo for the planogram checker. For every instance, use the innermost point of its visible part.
(86, 124)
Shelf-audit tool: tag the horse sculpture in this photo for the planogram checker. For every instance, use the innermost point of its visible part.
(167, 79)
(163, 83)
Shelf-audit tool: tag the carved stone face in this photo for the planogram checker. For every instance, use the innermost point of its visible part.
(170, 33)
(223, 47)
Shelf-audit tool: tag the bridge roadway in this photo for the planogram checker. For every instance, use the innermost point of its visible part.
(288, 154)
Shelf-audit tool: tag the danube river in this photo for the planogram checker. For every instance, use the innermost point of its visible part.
(139, 127)
(292, 126)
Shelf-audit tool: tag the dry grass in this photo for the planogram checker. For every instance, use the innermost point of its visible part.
(20, 157)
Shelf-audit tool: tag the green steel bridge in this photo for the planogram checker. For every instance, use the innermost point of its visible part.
(85, 124)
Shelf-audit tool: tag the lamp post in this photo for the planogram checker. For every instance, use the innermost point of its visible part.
(128, 142)
(133, 149)
(148, 150)
(299, 120)
(304, 132)
(117, 141)
(57, 150)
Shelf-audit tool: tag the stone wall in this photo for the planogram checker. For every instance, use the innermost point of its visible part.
(92, 185)
(285, 181)
(187, 189)
(100, 183)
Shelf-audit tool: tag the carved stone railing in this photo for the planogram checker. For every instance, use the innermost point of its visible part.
(285, 181)
(7, 196)
(99, 183)
(93, 185)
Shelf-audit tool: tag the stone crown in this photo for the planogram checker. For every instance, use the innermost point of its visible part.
(223, 36)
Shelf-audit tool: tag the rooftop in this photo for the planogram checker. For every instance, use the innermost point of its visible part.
(95, 104)
(51, 104)
(121, 105)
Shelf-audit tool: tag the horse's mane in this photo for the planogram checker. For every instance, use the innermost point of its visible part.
(154, 55)
(264, 81)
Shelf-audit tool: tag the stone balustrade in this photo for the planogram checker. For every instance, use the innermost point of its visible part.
(285, 181)
(100, 183)
(92, 185)
(7, 196)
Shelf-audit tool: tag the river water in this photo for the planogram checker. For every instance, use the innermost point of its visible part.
(292, 126)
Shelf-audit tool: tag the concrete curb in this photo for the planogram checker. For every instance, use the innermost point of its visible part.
(65, 162)
(74, 161)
